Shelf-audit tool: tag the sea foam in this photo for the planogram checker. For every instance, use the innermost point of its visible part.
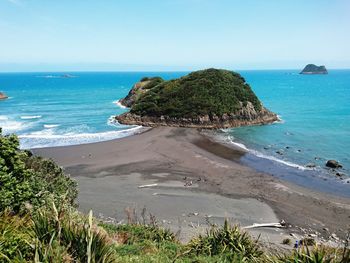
(117, 102)
(30, 117)
(50, 126)
(47, 137)
(268, 157)
(10, 126)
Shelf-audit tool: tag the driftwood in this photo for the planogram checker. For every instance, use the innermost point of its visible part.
(278, 225)
(147, 185)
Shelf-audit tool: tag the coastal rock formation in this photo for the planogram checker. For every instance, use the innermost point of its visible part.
(333, 164)
(138, 89)
(209, 98)
(3, 96)
(313, 69)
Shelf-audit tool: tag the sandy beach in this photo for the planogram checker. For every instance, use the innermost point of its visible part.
(193, 181)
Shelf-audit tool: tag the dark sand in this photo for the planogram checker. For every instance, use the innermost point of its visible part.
(109, 173)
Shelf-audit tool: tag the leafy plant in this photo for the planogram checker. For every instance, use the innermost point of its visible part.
(16, 239)
(84, 241)
(27, 181)
(228, 240)
(206, 92)
(315, 254)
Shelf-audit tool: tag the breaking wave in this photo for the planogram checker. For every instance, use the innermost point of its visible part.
(47, 137)
(29, 117)
(268, 157)
(10, 126)
(117, 102)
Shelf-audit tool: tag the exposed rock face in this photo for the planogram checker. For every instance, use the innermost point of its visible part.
(333, 164)
(138, 89)
(3, 96)
(209, 98)
(313, 69)
(246, 116)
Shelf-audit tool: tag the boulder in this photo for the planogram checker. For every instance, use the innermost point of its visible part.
(333, 164)
(3, 96)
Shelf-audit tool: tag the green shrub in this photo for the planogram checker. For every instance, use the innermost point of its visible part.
(16, 239)
(229, 241)
(29, 181)
(317, 254)
(152, 82)
(84, 241)
(211, 91)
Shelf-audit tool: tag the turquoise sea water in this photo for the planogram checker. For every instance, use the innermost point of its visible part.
(315, 113)
(48, 109)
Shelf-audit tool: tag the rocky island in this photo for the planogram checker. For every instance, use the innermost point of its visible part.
(311, 69)
(3, 96)
(211, 98)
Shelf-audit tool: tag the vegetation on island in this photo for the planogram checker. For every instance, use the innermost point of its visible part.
(39, 222)
(205, 92)
(141, 87)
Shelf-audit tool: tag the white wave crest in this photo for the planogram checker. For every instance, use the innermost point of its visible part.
(50, 126)
(10, 126)
(269, 157)
(30, 117)
(280, 120)
(117, 102)
(47, 137)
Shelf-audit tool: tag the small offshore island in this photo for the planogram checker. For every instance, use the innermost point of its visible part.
(211, 98)
(312, 69)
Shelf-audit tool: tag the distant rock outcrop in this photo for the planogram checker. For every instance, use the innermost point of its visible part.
(313, 69)
(209, 98)
(3, 96)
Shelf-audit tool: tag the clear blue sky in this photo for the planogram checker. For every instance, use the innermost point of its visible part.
(173, 34)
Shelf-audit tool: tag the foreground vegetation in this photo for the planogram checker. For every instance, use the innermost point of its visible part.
(39, 223)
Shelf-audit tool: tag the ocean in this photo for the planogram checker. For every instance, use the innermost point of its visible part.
(55, 109)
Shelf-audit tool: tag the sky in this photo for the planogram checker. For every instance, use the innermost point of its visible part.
(151, 35)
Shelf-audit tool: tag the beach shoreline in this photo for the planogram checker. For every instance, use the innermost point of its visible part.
(219, 186)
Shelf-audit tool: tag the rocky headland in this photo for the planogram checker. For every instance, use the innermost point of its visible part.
(313, 69)
(210, 98)
(3, 96)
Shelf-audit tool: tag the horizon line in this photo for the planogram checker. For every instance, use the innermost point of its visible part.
(152, 71)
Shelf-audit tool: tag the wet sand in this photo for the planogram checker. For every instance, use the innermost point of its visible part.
(195, 182)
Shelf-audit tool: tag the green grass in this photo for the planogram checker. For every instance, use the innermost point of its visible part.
(65, 235)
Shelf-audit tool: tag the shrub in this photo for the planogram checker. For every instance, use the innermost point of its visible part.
(317, 254)
(227, 240)
(205, 92)
(16, 239)
(30, 181)
(84, 241)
